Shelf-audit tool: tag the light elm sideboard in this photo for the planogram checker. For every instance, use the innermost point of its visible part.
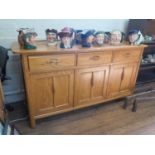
(60, 80)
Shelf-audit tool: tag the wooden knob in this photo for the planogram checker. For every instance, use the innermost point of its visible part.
(53, 61)
(127, 54)
(95, 57)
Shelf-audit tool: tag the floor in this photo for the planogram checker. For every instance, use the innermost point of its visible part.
(104, 119)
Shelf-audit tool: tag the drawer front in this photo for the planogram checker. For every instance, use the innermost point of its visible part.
(39, 63)
(94, 58)
(126, 55)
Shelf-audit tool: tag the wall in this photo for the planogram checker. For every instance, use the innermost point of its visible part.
(14, 89)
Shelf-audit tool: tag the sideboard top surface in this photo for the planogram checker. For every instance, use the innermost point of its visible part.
(42, 48)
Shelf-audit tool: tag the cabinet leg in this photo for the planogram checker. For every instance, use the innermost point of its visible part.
(32, 123)
(125, 103)
(134, 108)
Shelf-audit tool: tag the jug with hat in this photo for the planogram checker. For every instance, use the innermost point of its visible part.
(87, 37)
(51, 37)
(66, 37)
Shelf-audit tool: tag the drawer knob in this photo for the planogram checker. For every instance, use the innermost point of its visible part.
(95, 58)
(52, 61)
(127, 54)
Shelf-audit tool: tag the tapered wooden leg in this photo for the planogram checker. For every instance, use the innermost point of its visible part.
(125, 103)
(32, 122)
(134, 108)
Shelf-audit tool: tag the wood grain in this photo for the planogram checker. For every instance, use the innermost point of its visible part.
(48, 62)
(103, 119)
(126, 55)
(60, 80)
(91, 85)
(122, 78)
(94, 58)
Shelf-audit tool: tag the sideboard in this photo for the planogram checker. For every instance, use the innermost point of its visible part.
(60, 80)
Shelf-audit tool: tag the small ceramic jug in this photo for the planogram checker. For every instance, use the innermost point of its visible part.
(21, 33)
(26, 38)
(66, 37)
(135, 37)
(116, 37)
(99, 38)
(87, 37)
(51, 37)
(29, 40)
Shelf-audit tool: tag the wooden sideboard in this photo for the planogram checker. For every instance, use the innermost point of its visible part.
(1, 103)
(60, 80)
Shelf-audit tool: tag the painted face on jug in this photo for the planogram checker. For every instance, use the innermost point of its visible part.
(66, 41)
(100, 39)
(90, 39)
(116, 37)
(32, 39)
(51, 37)
(29, 40)
(133, 38)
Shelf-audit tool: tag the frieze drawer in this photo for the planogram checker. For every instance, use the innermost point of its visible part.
(126, 55)
(48, 62)
(95, 58)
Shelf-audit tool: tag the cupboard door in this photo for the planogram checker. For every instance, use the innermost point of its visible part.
(122, 79)
(63, 89)
(84, 86)
(51, 92)
(91, 85)
(42, 94)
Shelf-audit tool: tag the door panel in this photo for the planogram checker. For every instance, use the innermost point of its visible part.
(115, 79)
(51, 91)
(122, 79)
(98, 84)
(62, 88)
(126, 79)
(91, 85)
(85, 86)
(42, 94)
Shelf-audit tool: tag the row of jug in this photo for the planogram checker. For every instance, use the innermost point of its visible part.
(68, 37)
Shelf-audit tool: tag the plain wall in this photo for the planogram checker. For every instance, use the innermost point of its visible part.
(14, 89)
(8, 27)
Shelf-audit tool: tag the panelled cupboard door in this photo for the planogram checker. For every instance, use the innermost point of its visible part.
(51, 91)
(122, 79)
(91, 85)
